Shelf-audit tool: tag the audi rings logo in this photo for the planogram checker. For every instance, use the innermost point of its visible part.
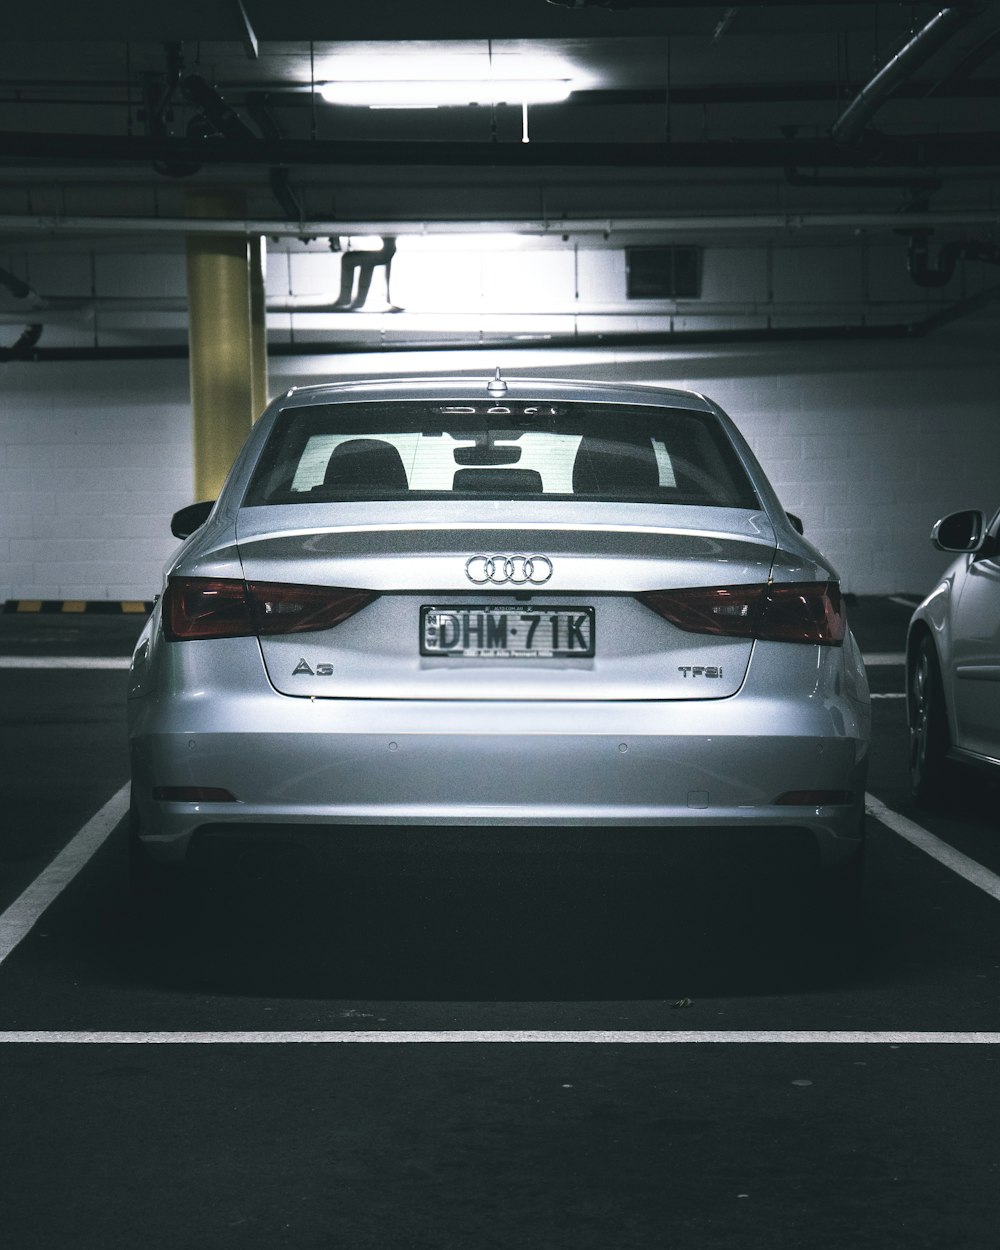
(517, 570)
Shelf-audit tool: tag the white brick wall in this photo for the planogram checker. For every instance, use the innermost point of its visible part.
(94, 459)
(869, 442)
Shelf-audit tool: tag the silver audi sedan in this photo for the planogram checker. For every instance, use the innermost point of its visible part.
(528, 605)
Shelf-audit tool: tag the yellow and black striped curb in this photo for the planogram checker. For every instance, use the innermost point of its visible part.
(79, 607)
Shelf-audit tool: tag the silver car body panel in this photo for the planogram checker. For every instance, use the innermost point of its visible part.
(604, 568)
(631, 737)
(962, 615)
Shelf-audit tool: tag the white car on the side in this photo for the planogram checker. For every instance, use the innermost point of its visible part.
(953, 659)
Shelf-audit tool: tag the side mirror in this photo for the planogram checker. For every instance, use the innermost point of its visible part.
(960, 531)
(184, 523)
(796, 521)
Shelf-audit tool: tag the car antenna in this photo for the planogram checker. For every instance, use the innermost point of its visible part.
(496, 385)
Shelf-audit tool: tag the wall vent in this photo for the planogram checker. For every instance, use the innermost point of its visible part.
(663, 272)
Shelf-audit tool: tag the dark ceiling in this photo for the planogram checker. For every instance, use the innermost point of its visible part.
(116, 109)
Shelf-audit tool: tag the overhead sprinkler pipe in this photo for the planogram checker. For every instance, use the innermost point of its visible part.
(602, 228)
(939, 30)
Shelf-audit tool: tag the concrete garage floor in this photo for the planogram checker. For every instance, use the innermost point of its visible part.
(210, 1084)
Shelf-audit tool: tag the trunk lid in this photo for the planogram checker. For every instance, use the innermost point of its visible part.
(598, 563)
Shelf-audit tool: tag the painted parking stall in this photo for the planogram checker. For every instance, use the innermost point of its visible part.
(281, 1073)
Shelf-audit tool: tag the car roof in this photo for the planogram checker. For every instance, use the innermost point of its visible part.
(517, 388)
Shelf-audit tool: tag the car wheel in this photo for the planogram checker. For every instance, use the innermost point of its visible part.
(929, 770)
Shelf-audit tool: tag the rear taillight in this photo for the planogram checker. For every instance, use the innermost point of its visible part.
(204, 607)
(280, 609)
(208, 607)
(791, 612)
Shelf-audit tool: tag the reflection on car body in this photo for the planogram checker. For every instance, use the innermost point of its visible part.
(953, 659)
(404, 582)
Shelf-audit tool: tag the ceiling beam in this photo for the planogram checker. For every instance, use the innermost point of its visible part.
(703, 224)
(921, 152)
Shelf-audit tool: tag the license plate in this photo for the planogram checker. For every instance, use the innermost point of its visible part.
(507, 631)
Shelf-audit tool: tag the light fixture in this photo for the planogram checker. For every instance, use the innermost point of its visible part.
(430, 93)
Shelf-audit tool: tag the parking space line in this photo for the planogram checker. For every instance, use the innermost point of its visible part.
(883, 659)
(64, 661)
(20, 917)
(587, 1037)
(922, 838)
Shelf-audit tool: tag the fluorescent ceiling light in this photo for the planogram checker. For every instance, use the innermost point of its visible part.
(437, 94)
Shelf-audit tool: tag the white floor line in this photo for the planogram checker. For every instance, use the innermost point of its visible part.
(589, 1037)
(905, 600)
(20, 917)
(967, 868)
(890, 694)
(17, 921)
(64, 661)
(882, 659)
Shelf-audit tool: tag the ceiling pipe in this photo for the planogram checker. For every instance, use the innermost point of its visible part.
(939, 30)
(32, 333)
(199, 92)
(228, 123)
(83, 311)
(25, 345)
(279, 177)
(900, 331)
(925, 274)
(603, 227)
(962, 74)
(158, 92)
(913, 182)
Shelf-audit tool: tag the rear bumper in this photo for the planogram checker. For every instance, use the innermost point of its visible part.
(342, 763)
(203, 715)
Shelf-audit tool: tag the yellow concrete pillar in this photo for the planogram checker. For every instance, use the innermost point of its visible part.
(227, 355)
(258, 325)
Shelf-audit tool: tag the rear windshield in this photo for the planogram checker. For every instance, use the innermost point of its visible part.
(406, 450)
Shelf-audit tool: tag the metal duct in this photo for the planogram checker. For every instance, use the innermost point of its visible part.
(157, 94)
(356, 271)
(24, 346)
(849, 126)
(227, 122)
(225, 119)
(31, 333)
(924, 273)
